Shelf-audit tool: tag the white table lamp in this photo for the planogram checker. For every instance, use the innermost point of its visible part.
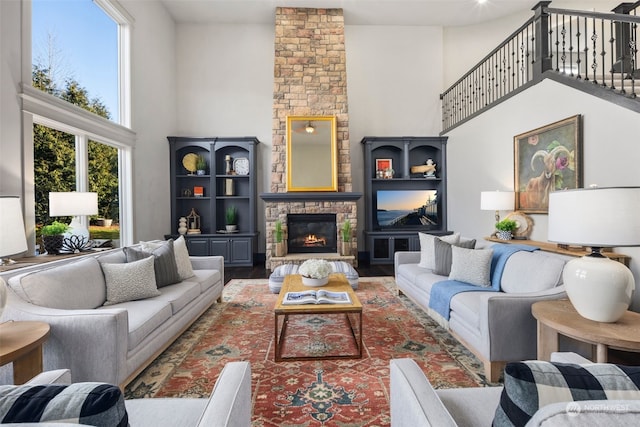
(496, 201)
(599, 288)
(74, 204)
(12, 236)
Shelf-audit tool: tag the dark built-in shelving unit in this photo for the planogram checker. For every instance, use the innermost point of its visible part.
(382, 240)
(238, 248)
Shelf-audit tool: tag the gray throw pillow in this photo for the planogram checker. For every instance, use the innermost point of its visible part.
(471, 266)
(442, 254)
(131, 281)
(73, 286)
(164, 263)
(427, 258)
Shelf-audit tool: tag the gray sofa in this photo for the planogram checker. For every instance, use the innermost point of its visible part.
(414, 402)
(106, 343)
(229, 404)
(496, 326)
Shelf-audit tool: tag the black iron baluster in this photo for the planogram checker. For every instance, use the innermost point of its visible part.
(612, 40)
(594, 54)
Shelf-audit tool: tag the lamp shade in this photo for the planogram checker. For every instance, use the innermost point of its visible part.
(496, 200)
(599, 288)
(73, 203)
(595, 217)
(12, 236)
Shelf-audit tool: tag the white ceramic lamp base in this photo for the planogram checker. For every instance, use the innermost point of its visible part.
(600, 289)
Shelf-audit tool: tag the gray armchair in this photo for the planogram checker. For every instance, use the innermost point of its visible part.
(229, 404)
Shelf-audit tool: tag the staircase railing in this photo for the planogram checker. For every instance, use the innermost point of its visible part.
(598, 48)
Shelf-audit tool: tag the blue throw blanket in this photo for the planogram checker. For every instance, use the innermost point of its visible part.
(442, 292)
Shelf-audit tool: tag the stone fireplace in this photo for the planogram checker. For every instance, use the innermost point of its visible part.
(309, 80)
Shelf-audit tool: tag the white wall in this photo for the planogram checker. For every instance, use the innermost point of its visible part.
(225, 87)
(480, 154)
(11, 180)
(153, 116)
(394, 80)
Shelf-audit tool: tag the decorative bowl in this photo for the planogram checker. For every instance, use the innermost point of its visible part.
(310, 281)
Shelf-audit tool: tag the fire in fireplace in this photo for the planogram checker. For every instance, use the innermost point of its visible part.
(312, 233)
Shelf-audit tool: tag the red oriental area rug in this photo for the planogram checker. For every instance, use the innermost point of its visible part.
(341, 392)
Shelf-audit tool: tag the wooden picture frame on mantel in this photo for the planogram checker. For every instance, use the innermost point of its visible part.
(547, 159)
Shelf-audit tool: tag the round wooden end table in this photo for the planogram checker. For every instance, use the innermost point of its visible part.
(558, 317)
(21, 343)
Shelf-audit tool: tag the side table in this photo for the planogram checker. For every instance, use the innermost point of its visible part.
(559, 317)
(21, 343)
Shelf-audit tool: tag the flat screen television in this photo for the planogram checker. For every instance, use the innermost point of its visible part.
(398, 209)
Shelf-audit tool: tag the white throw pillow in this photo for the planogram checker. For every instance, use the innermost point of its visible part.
(471, 266)
(130, 281)
(185, 269)
(180, 252)
(427, 248)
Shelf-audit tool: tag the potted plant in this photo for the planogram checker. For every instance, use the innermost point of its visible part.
(53, 237)
(201, 165)
(231, 217)
(278, 235)
(505, 229)
(345, 241)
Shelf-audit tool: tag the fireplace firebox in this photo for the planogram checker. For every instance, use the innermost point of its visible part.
(312, 233)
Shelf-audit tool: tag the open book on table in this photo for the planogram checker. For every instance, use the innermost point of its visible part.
(316, 297)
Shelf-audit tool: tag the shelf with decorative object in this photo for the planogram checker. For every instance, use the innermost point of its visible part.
(403, 169)
(230, 180)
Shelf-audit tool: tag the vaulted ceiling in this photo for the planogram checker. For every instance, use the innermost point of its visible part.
(356, 12)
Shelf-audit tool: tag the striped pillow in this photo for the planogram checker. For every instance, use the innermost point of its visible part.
(95, 404)
(443, 256)
(531, 385)
(164, 263)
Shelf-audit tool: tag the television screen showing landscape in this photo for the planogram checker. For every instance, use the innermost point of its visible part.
(407, 208)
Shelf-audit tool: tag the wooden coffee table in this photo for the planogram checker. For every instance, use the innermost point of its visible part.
(559, 317)
(21, 343)
(337, 283)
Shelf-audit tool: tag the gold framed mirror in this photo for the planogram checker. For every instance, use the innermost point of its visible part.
(312, 153)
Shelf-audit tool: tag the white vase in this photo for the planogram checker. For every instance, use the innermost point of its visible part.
(182, 226)
(599, 288)
(310, 281)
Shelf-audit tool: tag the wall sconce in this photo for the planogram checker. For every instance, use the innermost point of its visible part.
(309, 128)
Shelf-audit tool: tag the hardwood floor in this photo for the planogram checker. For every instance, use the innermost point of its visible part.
(259, 272)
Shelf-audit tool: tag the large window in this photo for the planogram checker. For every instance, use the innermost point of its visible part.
(76, 41)
(79, 106)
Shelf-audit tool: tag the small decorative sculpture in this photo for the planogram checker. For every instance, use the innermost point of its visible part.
(431, 173)
(182, 226)
(227, 160)
(428, 170)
